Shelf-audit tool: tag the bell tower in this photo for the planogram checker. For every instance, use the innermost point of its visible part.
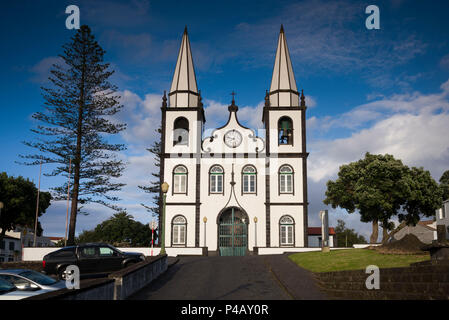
(285, 124)
(182, 125)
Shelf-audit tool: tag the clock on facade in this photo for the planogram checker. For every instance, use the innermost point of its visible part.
(233, 138)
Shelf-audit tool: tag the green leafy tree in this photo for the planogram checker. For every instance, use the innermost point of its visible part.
(347, 237)
(423, 196)
(77, 116)
(380, 187)
(119, 230)
(444, 185)
(19, 198)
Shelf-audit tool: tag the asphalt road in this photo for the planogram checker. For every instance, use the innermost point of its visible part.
(223, 278)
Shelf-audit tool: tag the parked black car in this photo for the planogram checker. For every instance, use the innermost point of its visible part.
(89, 258)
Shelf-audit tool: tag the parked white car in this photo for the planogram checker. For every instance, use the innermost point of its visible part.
(30, 280)
(8, 291)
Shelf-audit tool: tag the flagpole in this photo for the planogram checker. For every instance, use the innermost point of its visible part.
(68, 200)
(37, 204)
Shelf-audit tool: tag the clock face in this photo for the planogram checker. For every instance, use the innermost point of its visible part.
(233, 138)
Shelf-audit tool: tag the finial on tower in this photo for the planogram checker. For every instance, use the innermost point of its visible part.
(267, 99)
(303, 99)
(282, 28)
(233, 107)
(164, 100)
(233, 96)
(185, 29)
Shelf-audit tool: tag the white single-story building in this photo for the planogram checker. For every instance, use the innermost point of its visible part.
(10, 249)
(315, 237)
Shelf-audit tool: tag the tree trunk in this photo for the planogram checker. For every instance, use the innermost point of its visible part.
(385, 235)
(77, 161)
(74, 209)
(375, 234)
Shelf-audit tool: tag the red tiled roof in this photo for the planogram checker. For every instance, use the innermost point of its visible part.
(317, 231)
(56, 238)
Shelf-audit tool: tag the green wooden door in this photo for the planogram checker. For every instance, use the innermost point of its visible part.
(232, 235)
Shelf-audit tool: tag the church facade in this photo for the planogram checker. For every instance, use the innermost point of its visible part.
(232, 191)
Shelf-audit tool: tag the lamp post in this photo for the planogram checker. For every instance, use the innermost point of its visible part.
(204, 220)
(164, 189)
(255, 231)
(37, 204)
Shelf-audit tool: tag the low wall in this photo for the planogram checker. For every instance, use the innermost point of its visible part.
(118, 286)
(262, 251)
(37, 254)
(366, 245)
(418, 282)
(132, 279)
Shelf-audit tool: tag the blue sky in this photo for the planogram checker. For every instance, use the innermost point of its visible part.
(383, 91)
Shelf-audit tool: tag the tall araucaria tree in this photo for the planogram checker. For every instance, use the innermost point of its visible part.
(154, 188)
(76, 119)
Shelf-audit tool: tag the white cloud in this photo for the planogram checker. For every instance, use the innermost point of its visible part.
(41, 70)
(412, 127)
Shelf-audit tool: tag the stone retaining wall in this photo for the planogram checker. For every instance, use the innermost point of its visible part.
(118, 286)
(422, 282)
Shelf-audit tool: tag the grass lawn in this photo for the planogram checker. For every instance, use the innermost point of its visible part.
(353, 259)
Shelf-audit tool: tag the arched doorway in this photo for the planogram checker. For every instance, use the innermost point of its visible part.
(232, 232)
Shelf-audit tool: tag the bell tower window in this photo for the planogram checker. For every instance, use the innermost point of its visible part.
(181, 132)
(285, 131)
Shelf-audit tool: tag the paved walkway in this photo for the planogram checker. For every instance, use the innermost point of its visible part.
(232, 278)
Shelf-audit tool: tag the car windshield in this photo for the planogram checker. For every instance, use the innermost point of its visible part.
(6, 286)
(38, 277)
(115, 249)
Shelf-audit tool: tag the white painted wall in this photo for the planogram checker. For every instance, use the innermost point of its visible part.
(37, 254)
(315, 242)
(363, 245)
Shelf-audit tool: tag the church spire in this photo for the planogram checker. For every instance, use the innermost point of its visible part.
(283, 90)
(184, 90)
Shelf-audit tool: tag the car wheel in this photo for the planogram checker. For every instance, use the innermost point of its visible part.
(129, 264)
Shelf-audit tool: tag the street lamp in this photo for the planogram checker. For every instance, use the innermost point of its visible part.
(204, 220)
(164, 189)
(255, 231)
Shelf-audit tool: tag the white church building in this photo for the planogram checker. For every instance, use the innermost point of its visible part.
(232, 192)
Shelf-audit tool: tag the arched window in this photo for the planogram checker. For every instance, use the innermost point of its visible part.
(179, 231)
(216, 173)
(286, 231)
(181, 131)
(180, 179)
(286, 182)
(249, 179)
(285, 131)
